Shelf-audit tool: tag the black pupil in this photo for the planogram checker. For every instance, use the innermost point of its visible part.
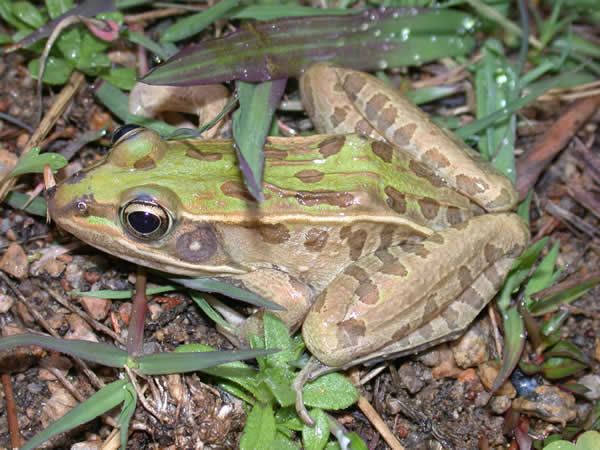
(143, 222)
(119, 132)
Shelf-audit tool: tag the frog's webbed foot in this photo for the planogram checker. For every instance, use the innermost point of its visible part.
(313, 369)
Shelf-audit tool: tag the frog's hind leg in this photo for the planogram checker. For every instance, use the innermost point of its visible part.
(415, 294)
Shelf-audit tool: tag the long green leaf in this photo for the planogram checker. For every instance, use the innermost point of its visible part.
(104, 354)
(163, 363)
(99, 403)
(251, 124)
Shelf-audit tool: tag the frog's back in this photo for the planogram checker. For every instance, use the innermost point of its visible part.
(323, 177)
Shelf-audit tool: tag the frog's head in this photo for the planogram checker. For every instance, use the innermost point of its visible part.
(130, 205)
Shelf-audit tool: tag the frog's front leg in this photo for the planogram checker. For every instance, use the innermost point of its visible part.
(280, 287)
(408, 297)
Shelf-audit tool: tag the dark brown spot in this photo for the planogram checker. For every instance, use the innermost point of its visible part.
(374, 106)
(416, 248)
(391, 264)
(345, 232)
(145, 163)
(386, 236)
(198, 245)
(429, 208)
(422, 171)
(427, 331)
(464, 277)
(339, 199)
(472, 297)
(348, 331)
(451, 314)
(364, 128)
(331, 145)
(368, 293)
(436, 158)
(454, 215)
(204, 156)
(386, 118)
(310, 176)
(383, 150)
(356, 272)
(338, 116)
(401, 332)
(404, 134)
(470, 185)
(236, 190)
(274, 234)
(356, 242)
(494, 277)
(315, 239)
(396, 200)
(353, 83)
(271, 153)
(492, 253)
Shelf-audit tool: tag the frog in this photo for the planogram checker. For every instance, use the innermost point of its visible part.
(380, 236)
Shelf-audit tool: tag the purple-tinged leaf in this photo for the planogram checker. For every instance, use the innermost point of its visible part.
(283, 48)
(109, 32)
(553, 302)
(88, 9)
(514, 343)
(575, 388)
(251, 125)
(533, 328)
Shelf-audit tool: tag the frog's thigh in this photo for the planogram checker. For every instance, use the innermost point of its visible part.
(415, 293)
(281, 288)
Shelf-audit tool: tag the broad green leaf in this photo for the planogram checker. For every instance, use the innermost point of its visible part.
(102, 401)
(122, 77)
(277, 336)
(58, 70)
(17, 200)
(58, 7)
(331, 391)
(279, 380)
(69, 44)
(33, 162)
(104, 354)
(315, 438)
(259, 431)
(28, 13)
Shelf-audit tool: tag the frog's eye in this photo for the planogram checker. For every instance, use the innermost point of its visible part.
(124, 130)
(146, 220)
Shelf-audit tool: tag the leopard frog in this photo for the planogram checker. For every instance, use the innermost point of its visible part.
(383, 235)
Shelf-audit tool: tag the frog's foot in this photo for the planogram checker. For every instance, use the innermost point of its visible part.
(206, 102)
(313, 369)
